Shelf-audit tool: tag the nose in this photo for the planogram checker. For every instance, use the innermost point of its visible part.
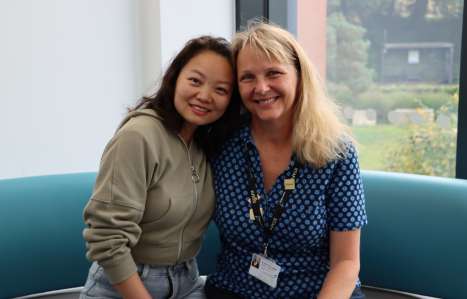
(262, 86)
(204, 95)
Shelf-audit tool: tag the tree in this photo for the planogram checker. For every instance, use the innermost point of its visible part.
(365, 12)
(347, 54)
(419, 10)
(446, 8)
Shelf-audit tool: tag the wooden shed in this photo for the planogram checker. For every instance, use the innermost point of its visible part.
(417, 62)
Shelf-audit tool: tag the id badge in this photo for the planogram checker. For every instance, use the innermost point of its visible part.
(264, 269)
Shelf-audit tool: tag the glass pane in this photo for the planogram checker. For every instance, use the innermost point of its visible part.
(394, 66)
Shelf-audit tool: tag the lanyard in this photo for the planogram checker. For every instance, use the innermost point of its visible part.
(280, 207)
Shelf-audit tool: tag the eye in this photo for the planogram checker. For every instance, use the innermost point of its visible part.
(222, 90)
(246, 77)
(273, 73)
(194, 80)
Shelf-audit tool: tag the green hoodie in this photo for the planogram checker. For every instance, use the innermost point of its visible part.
(146, 207)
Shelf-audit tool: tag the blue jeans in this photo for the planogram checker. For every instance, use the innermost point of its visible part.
(177, 281)
(357, 294)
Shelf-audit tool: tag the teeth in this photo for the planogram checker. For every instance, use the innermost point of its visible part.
(268, 101)
(200, 109)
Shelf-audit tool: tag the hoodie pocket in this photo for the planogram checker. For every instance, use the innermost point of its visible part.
(166, 229)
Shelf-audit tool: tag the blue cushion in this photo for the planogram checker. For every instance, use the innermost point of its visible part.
(211, 246)
(416, 237)
(42, 224)
(415, 240)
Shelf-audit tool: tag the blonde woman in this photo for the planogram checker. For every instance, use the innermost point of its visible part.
(288, 186)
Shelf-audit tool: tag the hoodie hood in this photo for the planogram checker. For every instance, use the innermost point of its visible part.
(127, 117)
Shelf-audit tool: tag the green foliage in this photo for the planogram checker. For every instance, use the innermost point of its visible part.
(346, 54)
(403, 99)
(341, 94)
(447, 8)
(374, 141)
(419, 88)
(427, 149)
(434, 100)
(384, 98)
(382, 103)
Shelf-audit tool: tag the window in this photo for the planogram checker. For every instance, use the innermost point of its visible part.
(394, 66)
(400, 59)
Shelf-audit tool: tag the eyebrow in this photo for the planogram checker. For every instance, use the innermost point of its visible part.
(202, 75)
(274, 68)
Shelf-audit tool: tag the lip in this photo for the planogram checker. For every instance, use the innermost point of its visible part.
(199, 112)
(266, 99)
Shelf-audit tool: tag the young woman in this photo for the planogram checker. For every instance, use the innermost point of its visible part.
(153, 197)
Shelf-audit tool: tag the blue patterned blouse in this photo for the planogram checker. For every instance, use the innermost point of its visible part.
(329, 198)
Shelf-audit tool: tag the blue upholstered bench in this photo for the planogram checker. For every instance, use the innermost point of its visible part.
(416, 239)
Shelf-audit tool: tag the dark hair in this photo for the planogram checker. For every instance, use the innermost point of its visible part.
(211, 136)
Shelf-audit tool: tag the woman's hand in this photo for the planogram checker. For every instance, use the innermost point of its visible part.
(132, 288)
(344, 255)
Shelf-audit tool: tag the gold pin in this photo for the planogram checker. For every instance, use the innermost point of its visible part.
(259, 197)
(252, 215)
(289, 184)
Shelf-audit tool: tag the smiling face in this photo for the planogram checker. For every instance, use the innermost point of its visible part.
(203, 89)
(268, 87)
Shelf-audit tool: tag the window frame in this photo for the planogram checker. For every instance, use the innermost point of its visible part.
(461, 160)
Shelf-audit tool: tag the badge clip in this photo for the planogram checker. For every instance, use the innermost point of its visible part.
(289, 184)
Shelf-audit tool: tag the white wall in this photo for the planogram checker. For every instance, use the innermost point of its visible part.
(185, 19)
(68, 69)
(179, 21)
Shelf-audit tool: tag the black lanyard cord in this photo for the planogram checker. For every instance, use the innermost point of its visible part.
(280, 207)
(253, 193)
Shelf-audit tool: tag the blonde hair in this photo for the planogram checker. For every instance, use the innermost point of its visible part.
(319, 133)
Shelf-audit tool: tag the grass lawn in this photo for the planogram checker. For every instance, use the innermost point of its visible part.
(375, 141)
